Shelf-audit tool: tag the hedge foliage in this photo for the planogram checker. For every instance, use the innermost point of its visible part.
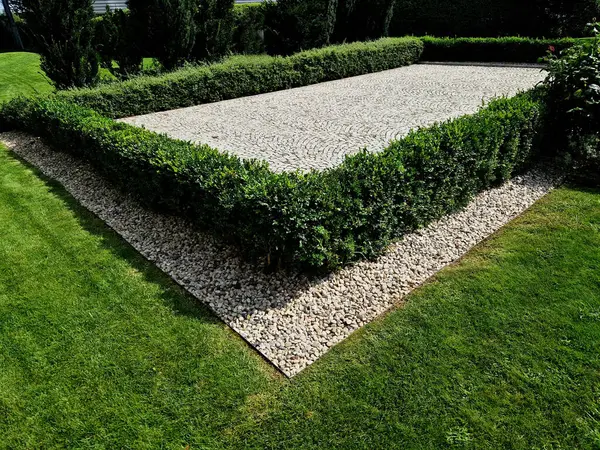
(62, 33)
(508, 49)
(316, 220)
(294, 25)
(248, 30)
(492, 18)
(242, 76)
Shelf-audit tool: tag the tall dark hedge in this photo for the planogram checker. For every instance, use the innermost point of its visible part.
(165, 29)
(293, 25)
(116, 41)
(249, 25)
(491, 18)
(62, 32)
(359, 20)
(215, 26)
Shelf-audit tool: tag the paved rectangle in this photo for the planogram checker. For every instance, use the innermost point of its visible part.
(314, 127)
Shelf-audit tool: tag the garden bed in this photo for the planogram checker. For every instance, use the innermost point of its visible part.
(290, 318)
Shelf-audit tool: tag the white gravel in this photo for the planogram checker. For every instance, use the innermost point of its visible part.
(315, 127)
(290, 319)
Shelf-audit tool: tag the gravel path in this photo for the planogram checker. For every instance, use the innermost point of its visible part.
(290, 319)
(316, 126)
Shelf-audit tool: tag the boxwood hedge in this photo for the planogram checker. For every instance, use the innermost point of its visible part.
(503, 49)
(317, 220)
(242, 76)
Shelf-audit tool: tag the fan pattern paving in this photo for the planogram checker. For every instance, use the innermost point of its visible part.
(315, 127)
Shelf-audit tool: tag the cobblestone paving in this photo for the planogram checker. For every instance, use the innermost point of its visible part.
(316, 126)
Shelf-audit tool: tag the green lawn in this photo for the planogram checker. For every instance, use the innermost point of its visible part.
(20, 73)
(99, 350)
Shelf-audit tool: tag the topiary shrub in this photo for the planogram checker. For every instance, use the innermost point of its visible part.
(319, 220)
(62, 33)
(503, 49)
(240, 76)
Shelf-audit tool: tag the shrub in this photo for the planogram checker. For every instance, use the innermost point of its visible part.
(316, 220)
(359, 20)
(508, 49)
(293, 25)
(165, 29)
(242, 76)
(573, 92)
(115, 41)
(249, 25)
(62, 32)
(215, 26)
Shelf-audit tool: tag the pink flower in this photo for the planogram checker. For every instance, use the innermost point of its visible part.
(552, 49)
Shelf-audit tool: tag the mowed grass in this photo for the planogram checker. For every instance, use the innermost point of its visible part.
(20, 74)
(99, 350)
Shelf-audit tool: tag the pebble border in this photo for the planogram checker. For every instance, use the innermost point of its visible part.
(291, 319)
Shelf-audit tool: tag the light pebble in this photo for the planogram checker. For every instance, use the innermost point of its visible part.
(291, 319)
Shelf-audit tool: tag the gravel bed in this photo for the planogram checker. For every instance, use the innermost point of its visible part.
(315, 127)
(291, 319)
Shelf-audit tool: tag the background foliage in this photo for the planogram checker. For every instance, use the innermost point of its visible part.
(492, 18)
(573, 85)
(62, 32)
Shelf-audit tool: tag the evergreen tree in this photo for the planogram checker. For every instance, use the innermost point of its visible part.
(62, 33)
(164, 29)
(215, 25)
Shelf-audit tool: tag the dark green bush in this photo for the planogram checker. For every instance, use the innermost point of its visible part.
(294, 25)
(360, 20)
(316, 220)
(215, 23)
(62, 32)
(573, 95)
(116, 42)
(493, 18)
(165, 29)
(242, 76)
(249, 26)
(508, 49)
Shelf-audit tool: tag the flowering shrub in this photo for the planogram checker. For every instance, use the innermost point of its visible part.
(573, 87)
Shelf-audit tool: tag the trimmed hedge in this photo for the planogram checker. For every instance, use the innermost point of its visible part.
(508, 49)
(316, 220)
(241, 76)
(490, 18)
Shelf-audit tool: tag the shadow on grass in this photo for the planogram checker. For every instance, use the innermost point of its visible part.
(173, 295)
